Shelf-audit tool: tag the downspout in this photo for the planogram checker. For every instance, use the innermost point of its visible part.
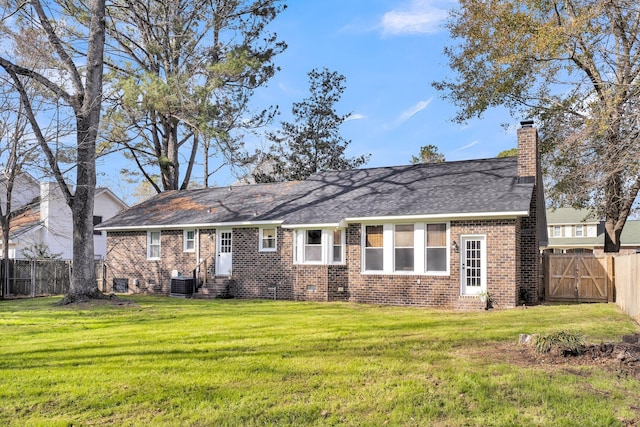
(198, 248)
(196, 272)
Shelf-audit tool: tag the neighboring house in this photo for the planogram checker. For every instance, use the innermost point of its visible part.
(436, 235)
(580, 231)
(46, 219)
(25, 191)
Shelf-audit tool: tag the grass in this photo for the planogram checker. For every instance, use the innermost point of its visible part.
(171, 361)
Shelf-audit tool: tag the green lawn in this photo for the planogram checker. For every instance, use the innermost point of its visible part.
(168, 361)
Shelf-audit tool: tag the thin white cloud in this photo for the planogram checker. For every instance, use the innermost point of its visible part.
(466, 147)
(417, 17)
(407, 114)
(286, 88)
(354, 116)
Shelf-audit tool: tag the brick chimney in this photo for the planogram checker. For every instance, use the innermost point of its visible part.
(527, 151)
(533, 228)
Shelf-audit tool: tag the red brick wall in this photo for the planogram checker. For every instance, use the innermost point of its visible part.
(311, 283)
(127, 258)
(256, 273)
(527, 151)
(441, 291)
(530, 291)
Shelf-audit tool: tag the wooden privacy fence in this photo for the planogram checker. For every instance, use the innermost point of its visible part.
(589, 278)
(578, 278)
(628, 284)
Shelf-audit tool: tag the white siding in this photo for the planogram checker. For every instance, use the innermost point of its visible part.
(105, 206)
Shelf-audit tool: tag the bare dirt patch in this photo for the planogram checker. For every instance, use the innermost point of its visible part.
(97, 300)
(622, 357)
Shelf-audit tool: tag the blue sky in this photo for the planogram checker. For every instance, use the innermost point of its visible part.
(390, 51)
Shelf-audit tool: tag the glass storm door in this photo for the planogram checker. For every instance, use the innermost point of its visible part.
(223, 266)
(473, 268)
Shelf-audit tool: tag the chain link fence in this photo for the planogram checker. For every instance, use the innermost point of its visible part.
(33, 278)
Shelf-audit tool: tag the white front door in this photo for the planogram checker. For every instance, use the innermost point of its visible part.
(224, 247)
(473, 267)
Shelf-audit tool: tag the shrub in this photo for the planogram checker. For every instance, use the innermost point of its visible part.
(569, 341)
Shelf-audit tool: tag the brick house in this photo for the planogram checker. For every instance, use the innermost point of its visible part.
(436, 235)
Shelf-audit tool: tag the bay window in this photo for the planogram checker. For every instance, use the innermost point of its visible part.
(319, 246)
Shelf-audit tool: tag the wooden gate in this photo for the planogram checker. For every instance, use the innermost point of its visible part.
(578, 277)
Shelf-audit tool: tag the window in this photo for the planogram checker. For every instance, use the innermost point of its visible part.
(153, 245)
(336, 253)
(319, 246)
(418, 248)
(579, 231)
(373, 253)
(403, 247)
(557, 231)
(436, 249)
(189, 240)
(313, 246)
(267, 239)
(97, 220)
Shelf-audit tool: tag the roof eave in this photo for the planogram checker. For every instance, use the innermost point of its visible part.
(238, 224)
(443, 216)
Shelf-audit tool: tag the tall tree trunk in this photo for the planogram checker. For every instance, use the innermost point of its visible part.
(4, 286)
(615, 216)
(83, 275)
(85, 100)
(611, 236)
(169, 161)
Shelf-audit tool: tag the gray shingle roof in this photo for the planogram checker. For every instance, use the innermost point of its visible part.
(464, 187)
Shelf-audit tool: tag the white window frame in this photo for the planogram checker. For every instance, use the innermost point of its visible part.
(333, 244)
(445, 272)
(387, 249)
(262, 239)
(579, 228)
(396, 247)
(557, 231)
(320, 245)
(419, 250)
(159, 244)
(327, 244)
(186, 240)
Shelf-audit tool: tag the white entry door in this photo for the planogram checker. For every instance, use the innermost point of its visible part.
(225, 253)
(474, 265)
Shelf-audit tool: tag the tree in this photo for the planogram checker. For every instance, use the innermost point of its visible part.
(573, 66)
(428, 154)
(312, 142)
(47, 53)
(17, 153)
(511, 152)
(39, 251)
(183, 73)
